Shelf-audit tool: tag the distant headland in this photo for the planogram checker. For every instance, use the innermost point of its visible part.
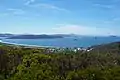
(44, 36)
(32, 36)
(35, 37)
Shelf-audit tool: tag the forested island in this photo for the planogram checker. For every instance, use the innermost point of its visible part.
(31, 36)
(102, 62)
(35, 37)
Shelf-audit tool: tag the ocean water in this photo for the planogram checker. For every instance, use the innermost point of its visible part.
(70, 42)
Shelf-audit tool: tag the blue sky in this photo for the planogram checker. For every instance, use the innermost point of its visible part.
(84, 17)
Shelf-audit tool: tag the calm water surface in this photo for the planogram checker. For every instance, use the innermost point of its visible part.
(65, 42)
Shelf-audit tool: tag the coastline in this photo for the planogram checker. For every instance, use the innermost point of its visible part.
(49, 47)
(36, 46)
(27, 45)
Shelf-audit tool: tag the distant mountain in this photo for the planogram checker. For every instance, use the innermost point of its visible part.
(6, 35)
(65, 35)
(113, 36)
(42, 36)
(35, 37)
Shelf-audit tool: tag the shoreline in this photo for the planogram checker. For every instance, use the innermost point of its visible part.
(49, 47)
(27, 45)
(36, 46)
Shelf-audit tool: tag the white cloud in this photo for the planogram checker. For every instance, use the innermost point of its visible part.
(67, 29)
(116, 19)
(3, 14)
(48, 6)
(28, 2)
(82, 30)
(16, 11)
(104, 6)
(113, 20)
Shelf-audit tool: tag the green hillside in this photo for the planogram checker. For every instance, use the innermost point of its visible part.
(25, 63)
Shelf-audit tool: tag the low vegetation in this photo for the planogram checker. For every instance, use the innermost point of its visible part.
(20, 63)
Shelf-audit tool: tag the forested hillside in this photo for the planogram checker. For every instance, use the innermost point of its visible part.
(21, 63)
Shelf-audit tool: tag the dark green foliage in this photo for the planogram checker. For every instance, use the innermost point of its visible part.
(21, 63)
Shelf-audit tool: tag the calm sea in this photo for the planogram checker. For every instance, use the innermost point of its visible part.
(70, 42)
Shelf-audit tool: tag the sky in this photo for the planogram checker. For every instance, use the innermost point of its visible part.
(83, 17)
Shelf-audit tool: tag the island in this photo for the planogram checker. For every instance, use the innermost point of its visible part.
(35, 37)
(6, 35)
